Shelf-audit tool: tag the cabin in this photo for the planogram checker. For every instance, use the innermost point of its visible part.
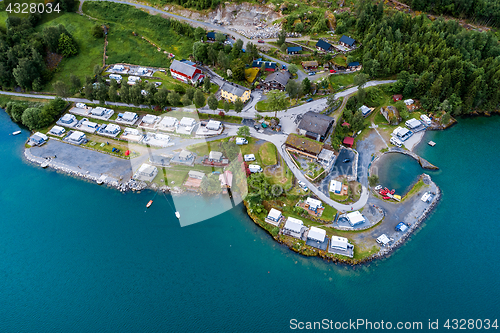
(413, 124)
(313, 204)
(67, 120)
(146, 172)
(365, 110)
(316, 234)
(402, 134)
(215, 156)
(355, 218)
(57, 130)
(127, 118)
(194, 179)
(186, 126)
(186, 72)
(303, 146)
(274, 216)
(348, 141)
(396, 98)
(149, 121)
(335, 186)
(168, 124)
(315, 126)
(354, 66)
(38, 139)
(339, 243)
(232, 91)
(309, 65)
(294, 49)
(185, 155)
(277, 80)
(213, 125)
(346, 41)
(324, 46)
(76, 138)
(111, 130)
(294, 227)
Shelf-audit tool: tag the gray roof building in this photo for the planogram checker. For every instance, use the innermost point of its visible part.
(277, 80)
(315, 125)
(233, 88)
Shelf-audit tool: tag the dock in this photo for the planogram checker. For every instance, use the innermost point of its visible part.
(423, 162)
(431, 143)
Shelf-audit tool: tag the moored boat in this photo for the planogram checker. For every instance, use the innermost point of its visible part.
(16, 133)
(178, 215)
(149, 203)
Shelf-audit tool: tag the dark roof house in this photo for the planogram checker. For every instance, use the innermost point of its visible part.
(348, 41)
(304, 146)
(315, 125)
(269, 66)
(294, 49)
(321, 44)
(277, 80)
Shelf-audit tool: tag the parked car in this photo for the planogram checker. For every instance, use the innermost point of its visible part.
(311, 73)
(309, 100)
(333, 71)
(257, 127)
(346, 160)
(260, 41)
(283, 66)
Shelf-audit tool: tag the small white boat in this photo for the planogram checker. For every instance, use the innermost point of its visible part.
(16, 133)
(45, 163)
(178, 215)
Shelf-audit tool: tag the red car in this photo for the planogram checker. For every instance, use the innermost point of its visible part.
(260, 41)
(333, 71)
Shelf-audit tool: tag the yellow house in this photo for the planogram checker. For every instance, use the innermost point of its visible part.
(231, 92)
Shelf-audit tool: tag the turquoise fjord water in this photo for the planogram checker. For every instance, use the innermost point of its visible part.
(76, 257)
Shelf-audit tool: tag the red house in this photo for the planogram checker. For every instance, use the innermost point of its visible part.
(396, 98)
(186, 71)
(348, 141)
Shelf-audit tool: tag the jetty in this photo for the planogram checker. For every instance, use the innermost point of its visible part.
(422, 161)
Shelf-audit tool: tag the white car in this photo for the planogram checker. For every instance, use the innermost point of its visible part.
(254, 168)
(241, 141)
(249, 157)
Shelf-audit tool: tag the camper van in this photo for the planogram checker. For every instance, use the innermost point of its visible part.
(241, 141)
(254, 168)
(116, 77)
(249, 157)
(425, 119)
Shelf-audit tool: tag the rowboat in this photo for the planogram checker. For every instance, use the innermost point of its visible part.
(149, 203)
(16, 133)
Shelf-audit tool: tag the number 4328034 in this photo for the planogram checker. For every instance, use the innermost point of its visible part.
(27, 8)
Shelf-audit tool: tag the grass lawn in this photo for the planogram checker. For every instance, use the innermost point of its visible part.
(178, 174)
(328, 213)
(341, 80)
(336, 197)
(267, 153)
(90, 49)
(340, 60)
(125, 47)
(96, 140)
(414, 189)
(263, 106)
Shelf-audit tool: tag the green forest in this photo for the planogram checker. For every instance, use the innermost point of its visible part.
(480, 11)
(445, 66)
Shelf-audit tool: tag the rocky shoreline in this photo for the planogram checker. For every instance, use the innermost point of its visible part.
(122, 186)
(384, 252)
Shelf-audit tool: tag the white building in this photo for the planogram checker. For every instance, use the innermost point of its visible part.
(274, 215)
(157, 140)
(76, 138)
(402, 133)
(132, 134)
(146, 172)
(335, 186)
(38, 139)
(214, 125)
(101, 113)
(314, 204)
(89, 126)
(168, 124)
(383, 240)
(215, 156)
(293, 226)
(127, 118)
(413, 123)
(317, 234)
(67, 120)
(111, 130)
(365, 110)
(57, 130)
(149, 121)
(196, 174)
(339, 243)
(355, 218)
